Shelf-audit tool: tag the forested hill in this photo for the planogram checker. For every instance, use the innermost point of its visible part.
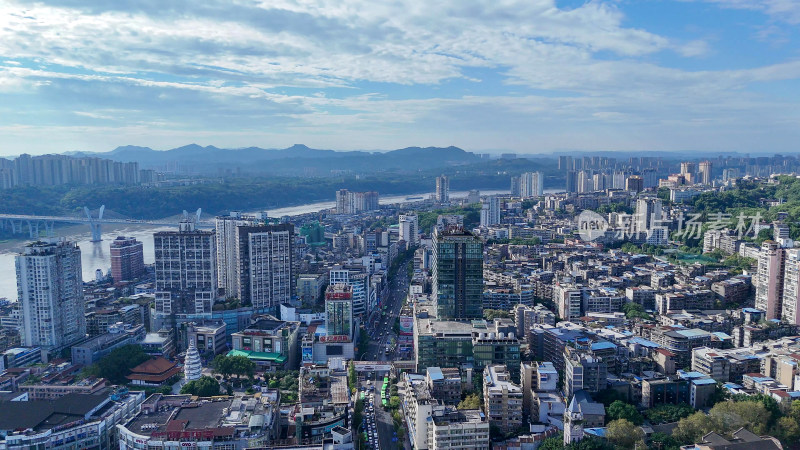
(294, 160)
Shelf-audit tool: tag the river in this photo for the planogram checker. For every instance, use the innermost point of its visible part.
(97, 255)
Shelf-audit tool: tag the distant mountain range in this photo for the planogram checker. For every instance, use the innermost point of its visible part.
(297, 159)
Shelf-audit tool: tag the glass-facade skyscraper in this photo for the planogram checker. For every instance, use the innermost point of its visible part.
(457, 274)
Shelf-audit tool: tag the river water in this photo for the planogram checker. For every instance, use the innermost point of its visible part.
(97, 255)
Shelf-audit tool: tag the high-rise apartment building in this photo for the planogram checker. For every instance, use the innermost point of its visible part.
(502, 399)
(360, 288)
(409, 229)
(264, 265)
(225, 228)
(365, 201)
(339, 310)
(791, 287)
(634, 183)
(442, 189)
(769, 279)
(568, 299)
(457, 274)
(127, 259)
(53, 170)
(648, 214)
(185, 263)
(571, 181)
(348, 202)
(531, 184)
(345, 202)
(689, 171)
(490, 211)
(583, 371)
(704, 174)
(50, 292)
(515, 190)
(585, 183)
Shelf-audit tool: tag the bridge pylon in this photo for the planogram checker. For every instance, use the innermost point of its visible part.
(94, 223)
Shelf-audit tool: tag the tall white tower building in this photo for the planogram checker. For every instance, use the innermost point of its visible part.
(225, 227)
(264, 265)
(409, 229)
(791, 287)
(531, 184)
(490, 211)
(50, 292)
(442, 189)
(769, 279)
(185, 263)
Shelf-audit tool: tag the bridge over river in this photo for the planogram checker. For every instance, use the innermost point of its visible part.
(35, 224)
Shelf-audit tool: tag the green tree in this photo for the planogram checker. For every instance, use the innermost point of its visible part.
(351, 377)
(358, 414)
(691, 428)
(663, 441)
(118, 364)
(491, 314)
(668, 413)
(233, 365)
(591, 443)
(787, 430)
(621, 410)
(606, 396)
(553, 443)
(794, 410)
(769, 403)
(471, 401)
(635, 311)
(202, 387)
(242, 366)
(222, 365)
(729, 416)
(623, 433)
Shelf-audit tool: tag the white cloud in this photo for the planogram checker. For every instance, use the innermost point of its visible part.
(272, 69)
(782, 10)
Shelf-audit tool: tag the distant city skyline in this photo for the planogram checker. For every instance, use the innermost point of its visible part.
(526, 77)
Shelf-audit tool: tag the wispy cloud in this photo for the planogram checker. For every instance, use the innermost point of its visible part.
(526, 73)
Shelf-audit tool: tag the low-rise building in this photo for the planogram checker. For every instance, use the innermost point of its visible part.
(444, 384)
(91, 350)
(271, 343)
(154, 372)
(178, 421)
(70, 422)
(502, 399)
(159, 344)
(463, 429)
(661, 391)
(208, 336)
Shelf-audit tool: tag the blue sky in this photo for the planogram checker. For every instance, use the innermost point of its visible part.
(528, 76)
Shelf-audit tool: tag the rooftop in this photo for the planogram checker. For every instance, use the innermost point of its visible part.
(40, 415)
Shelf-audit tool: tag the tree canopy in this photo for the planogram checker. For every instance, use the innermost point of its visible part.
(202, 387)
(621, 410)
(118, 364)
(233, 365)
(471, 401)
(624, 434)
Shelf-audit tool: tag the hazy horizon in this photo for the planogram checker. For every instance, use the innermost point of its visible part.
(492, 152)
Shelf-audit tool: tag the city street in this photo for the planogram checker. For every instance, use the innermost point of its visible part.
(379, 417)
(381, 335)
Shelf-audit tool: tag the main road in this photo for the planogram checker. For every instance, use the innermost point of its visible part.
(379, 336)
(383, 332)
